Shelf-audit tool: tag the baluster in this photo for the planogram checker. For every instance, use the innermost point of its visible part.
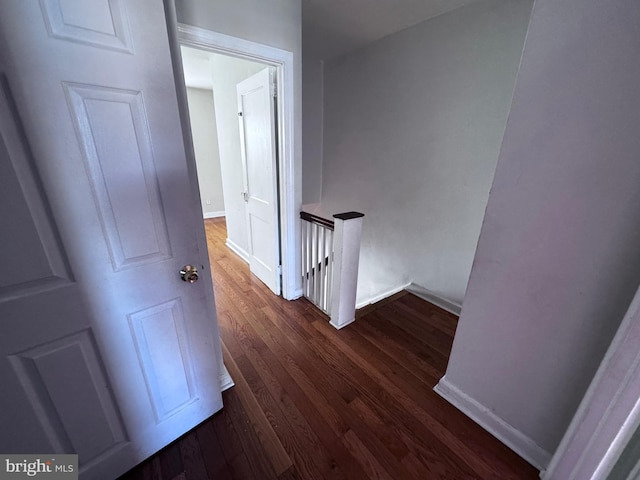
(309, 255)
(329, 269)
(303, 234)
(316, 283)
(304, 257)
(314, 255)
(316, 279)
(310, 260)
(321, 268)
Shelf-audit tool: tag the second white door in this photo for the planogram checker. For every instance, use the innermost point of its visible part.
(256, 115)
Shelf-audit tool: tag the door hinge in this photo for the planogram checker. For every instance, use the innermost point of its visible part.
(239, 114)
(279, 270)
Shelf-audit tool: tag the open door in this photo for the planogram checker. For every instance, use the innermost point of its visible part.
(104, 350)
(256, 113)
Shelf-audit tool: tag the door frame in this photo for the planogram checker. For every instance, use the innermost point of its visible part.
(609, 414)
(282, 60)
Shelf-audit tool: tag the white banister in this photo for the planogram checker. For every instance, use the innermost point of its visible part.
(330, 258)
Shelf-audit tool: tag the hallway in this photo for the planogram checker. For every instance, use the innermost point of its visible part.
(311, 402)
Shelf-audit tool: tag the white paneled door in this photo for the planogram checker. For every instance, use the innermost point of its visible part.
(259, 158)
(104, 350)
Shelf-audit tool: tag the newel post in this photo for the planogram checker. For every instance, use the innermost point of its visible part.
(346, 257)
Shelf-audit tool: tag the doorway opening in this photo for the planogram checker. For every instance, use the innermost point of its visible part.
(238, 169)
(231, 148)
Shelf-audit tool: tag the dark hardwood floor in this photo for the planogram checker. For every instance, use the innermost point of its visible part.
(311, 402)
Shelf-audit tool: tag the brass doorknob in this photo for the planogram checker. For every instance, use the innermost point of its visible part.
(189, 274)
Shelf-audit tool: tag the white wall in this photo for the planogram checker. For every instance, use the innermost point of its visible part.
(412, 131)
(226, 73)
(205, 144)
(558, 255)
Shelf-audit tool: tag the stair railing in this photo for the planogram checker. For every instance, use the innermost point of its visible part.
(330, 259)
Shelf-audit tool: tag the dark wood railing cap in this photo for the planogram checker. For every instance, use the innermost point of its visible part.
(348, 215)
(310, 217)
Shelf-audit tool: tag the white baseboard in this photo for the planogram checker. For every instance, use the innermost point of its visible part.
(417, 290)
(297, 294)
(213, 214)
(241, 252)
(338, 327)
(381, 296)
(226, 382)
(507, 434)
(432, 297)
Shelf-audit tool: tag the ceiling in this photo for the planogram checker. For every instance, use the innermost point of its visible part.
(334, 27)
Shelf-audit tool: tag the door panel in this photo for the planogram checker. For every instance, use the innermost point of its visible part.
(258, 148)
(104, 350)
(163, 351)
(49, 372)
(100, 23)
(33, 258)
(112, 129)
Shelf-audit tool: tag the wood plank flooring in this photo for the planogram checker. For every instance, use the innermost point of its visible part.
(311, 402)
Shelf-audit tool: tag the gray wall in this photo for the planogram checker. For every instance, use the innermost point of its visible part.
(412, 131)
(558, 255)
(276, 22)
(205, 144)
(226, 73)
(312, 116)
